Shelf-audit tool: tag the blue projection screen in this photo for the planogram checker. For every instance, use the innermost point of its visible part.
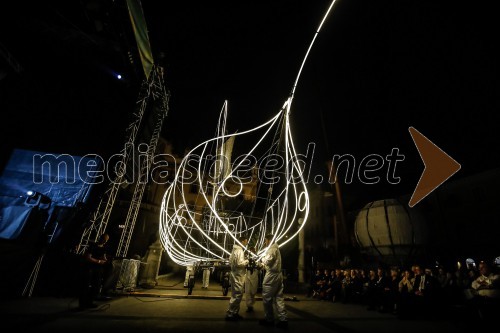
(63, 180)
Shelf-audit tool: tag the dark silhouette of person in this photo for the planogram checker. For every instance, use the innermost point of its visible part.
(94, 261)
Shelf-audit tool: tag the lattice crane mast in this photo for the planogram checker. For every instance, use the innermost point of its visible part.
(152, 90)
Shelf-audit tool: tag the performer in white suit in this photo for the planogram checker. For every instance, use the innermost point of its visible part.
(238, 265)
(272, 286)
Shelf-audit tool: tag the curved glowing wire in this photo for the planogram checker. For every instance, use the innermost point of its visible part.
(196, 226)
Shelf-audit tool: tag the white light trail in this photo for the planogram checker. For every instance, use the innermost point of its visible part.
(198, 227)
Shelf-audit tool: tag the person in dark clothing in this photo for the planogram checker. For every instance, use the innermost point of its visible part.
(94, 261)
(315, 284)
(377, 289)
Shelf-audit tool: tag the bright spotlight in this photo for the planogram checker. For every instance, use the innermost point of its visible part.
(37, 199)
(119, 77)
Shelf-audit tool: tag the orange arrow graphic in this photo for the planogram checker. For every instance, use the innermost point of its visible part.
(439, 166)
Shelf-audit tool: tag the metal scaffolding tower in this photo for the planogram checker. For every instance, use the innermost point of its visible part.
(160, 94)
(152, 91)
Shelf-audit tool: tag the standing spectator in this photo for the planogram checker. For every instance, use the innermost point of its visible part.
(94, 261)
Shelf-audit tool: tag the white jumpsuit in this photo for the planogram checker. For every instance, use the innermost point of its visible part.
(206, 277)
(189, 271)
(238, 265)
(272, 285)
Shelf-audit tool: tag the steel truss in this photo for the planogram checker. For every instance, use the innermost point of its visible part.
(152, 87)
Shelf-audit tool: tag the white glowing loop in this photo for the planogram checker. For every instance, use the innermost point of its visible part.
(240, 188)
(203, 226)
(190, 234)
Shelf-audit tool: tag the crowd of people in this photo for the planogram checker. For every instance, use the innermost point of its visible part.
(410, 292)
(406, 292)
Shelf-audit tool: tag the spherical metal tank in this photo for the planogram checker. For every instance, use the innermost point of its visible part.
(387, 228)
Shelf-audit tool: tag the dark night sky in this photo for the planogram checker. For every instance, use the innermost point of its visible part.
(377, 68)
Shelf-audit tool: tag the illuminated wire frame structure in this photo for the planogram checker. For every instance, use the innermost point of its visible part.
(213, 199)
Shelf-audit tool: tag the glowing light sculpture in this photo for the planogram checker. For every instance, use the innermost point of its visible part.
(201, 225)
